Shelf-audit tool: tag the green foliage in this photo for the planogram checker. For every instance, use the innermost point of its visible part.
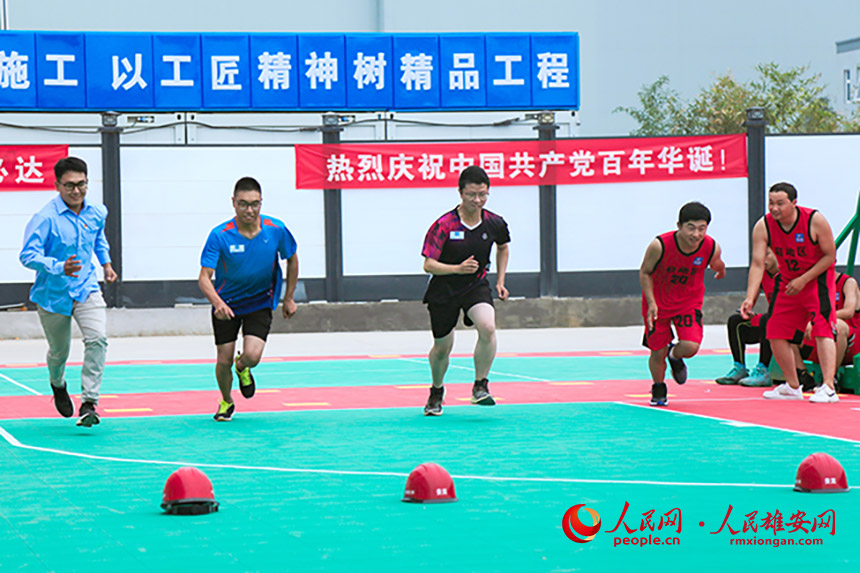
(793, 100)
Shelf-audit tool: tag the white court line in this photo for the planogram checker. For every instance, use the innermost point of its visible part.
(27, 388)
(13, 441)
(496, 372)
(802, 433)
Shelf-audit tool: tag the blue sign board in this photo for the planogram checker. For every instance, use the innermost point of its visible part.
(164, 72)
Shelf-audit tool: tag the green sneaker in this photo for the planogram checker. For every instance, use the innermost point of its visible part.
(224, 412)
(734, 376)
(759, 378)
(246, 379)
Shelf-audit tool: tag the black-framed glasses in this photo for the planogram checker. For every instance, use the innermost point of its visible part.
(243, 205)
(81, 185)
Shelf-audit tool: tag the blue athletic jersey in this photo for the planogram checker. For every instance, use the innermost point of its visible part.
(248, 276)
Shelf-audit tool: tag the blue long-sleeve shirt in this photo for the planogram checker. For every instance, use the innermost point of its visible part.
(53, 235)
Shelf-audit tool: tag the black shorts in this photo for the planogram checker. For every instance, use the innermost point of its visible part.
(255, 323)
(444, 316)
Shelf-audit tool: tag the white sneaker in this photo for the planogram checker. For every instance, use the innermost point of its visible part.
(824, 395)
(784, 392)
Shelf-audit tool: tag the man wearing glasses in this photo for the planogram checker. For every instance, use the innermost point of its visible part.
(243, 255)
(456, 252)
(59, 243)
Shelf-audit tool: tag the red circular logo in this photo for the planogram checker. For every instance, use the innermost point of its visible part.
(572, 525)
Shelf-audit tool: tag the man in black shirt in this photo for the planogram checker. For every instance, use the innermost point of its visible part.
(457, 253)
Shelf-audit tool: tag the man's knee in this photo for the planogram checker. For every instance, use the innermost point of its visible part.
(98, 341)
(735, 320)
(486, 330)
(442, 348)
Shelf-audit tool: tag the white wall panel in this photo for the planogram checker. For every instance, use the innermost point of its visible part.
(173, 197)
(608, 227)
(825, 169)
(384, 229)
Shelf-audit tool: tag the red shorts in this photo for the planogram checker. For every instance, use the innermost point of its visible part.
(815, 304)
(851, 351)
(755, 320)
(688, 326)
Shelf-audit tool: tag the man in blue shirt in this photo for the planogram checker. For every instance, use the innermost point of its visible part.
(59, 243)
(243, 255)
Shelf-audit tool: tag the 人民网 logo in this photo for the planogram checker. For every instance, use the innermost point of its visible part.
(575, 529)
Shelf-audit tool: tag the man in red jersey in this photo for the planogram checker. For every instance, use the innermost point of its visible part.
(673, 290)
(803, 244)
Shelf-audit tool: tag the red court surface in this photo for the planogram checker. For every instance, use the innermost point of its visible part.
(700, 398)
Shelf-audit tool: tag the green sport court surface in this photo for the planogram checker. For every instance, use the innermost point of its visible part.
(310, 473)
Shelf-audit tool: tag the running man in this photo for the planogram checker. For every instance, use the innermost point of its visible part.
(59, 244)
(803, 243)
(244, 256)
(456, 252)
(672, 277)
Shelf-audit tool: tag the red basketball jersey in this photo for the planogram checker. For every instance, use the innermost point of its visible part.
(841, 279)
(794, 249)
(678, 277)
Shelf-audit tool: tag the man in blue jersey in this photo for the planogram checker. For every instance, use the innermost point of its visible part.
(59, 243)
(244, 256)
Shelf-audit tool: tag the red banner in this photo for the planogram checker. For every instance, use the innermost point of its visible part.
(29, 167)
(555, 162)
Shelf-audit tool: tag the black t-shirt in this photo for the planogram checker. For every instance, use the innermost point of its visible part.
(449, 241)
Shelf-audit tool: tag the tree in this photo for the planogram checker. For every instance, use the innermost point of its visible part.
(793, 100)
(662, 110)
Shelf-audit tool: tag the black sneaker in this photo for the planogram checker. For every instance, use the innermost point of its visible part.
(679, 369)
(87, 415)
(658, 395)
(246, 379)
(224, 413)
(434, 402)
(481, 394)
(62, 401)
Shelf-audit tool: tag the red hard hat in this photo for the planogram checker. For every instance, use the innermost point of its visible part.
(820, 473)
(188, 492)
(429, 483)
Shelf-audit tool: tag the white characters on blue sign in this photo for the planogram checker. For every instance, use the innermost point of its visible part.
(464, 76)
(120, 77)
(60, 79)
(417, 71)
(224, 72)
(274, 70)
(321, 70)
(553, 70)
(369, 70)
(14, 71)
(177, 81)
(509, 80)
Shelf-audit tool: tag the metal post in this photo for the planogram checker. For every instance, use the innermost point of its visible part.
(333, 221)
(548, 279)
(755, 124)
(112, 199)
